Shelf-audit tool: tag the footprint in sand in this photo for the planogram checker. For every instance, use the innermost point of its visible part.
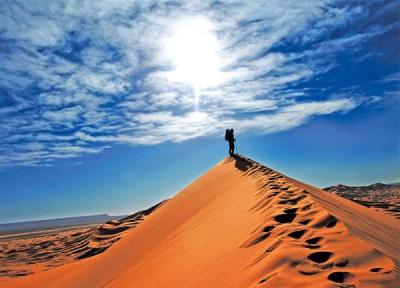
(292, 201)
(266, 233)
(285, 218)
(297, 234)
(341, 262)
(315, 263)
(273, 186)
(267, 278)
(273, 194)
(290, 210)
(307, 207)
(340, 277)
(308, 268)
(327, 221)
(313, 243)
(331, 223)
(259, 239)
(305, 221)
(269, 228)
(314, 240)
(380, 270)
(320, 257)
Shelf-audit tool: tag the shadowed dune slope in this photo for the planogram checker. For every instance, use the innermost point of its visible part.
(243, 225)
(23, 256)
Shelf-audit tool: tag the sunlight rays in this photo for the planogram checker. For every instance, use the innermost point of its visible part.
(193, 50)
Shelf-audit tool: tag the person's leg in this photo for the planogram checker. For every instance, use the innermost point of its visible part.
(231, 148)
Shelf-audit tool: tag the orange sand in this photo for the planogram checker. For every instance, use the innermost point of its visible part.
(244, 225)
(28, 253)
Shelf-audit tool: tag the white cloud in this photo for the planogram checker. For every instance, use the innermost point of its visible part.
(65, 115)
(87, 72)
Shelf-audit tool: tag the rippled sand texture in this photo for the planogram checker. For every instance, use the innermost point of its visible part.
(29, 254)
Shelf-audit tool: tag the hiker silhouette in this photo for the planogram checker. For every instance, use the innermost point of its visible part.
(229, 136)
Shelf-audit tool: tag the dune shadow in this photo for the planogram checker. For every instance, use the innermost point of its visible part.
(242, 163)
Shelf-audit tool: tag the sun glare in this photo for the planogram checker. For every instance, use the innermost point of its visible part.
(193, 50)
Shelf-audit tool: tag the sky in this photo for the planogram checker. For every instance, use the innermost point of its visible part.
(112, 106)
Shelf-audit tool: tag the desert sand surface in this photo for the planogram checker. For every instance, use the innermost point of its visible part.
(27, 253)
(378, 196)
(244, 225)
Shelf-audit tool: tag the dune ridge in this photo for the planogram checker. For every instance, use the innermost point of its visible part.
(242, 225)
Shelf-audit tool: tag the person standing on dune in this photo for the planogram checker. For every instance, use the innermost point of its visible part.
(229, 136)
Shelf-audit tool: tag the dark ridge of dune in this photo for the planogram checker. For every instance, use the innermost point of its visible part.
(28, 255)
(105, 235)
(379, 196)
(242, 224)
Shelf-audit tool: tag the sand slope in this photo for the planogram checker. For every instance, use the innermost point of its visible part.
(24, 255)
(243, 225)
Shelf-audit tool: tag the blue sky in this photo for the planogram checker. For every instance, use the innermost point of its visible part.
(111, 106)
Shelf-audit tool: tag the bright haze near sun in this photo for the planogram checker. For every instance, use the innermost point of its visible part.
(193, 50)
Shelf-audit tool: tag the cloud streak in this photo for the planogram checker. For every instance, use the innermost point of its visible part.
(79, 76)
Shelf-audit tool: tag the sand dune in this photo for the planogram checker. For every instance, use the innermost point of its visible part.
(29, 254)
(243, 225)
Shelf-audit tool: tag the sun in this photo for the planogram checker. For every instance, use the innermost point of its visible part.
(193, 50)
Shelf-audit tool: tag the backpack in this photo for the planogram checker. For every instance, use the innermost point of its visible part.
(227, 135)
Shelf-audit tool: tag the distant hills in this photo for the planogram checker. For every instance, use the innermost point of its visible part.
(380, 196)
(30, 226)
